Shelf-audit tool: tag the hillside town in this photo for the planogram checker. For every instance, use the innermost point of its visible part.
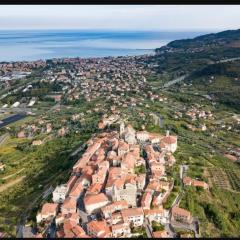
(116, 189)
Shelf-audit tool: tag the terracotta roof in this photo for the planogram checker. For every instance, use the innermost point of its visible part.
(113, 171)
(119, 183)
(154, 211)
(95, 188)
(74, 217)
(71, 181)
(160, 234)
(169, 139)
(231, 157)
(49, 208)
(67, 226)
(77, 189)
(197, 183)
(146, 199)
(115, 205)
(162, 145)
(86, 176)
(94, 199)
(131, 212)
(78, 231)
(187, 180)
(69, 203)
(99, 227)
(180, 211)
(123, 146)
(129, 159)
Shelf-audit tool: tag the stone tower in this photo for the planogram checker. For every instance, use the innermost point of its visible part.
(122, 128)
(167, 134)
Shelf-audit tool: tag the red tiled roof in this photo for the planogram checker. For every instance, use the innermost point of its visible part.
(169, 139)
(180, 211)
(93, 199)
(160, 234)
(69, 203)
(49, 208)
(95, 188)
(131, 212)
(99, 227)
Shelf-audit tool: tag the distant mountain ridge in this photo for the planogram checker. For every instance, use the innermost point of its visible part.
(229, 38)
(215, 55)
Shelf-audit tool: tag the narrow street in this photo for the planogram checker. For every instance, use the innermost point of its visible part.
(148, 228)
(194, 226)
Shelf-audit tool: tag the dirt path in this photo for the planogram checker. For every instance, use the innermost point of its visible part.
(4, 178)
(10, 184)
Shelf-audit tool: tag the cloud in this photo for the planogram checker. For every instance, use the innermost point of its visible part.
(122, 17)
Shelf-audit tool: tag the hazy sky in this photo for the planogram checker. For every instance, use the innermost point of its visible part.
(122, 17)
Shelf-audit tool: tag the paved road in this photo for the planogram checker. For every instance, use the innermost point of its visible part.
(229, 60)
(11, 119)
(148, 228)
(179, 79)
(193, 226)
(170, 230)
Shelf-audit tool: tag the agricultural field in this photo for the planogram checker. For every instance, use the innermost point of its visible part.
(32, 170)
(219, 178)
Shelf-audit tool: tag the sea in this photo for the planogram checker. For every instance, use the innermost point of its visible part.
(30, 45)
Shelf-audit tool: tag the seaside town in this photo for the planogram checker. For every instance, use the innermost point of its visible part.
(117, 155)
(119, 122)
(123, 184)
(113, 78)
(117, 189)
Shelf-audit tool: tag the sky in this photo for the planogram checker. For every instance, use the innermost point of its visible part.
(121, 17)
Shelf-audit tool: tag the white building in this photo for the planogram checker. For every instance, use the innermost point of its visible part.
(133, 216)
(142, 136)
(121, 230)
(127, 192)
(129, 135)
(59, 194)
(158, 215)
(170, 142)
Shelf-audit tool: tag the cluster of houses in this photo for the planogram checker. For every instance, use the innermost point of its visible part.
(22, 66)
(41, 126)
(31, 130)
(16, 70)
(187, 181)
(119, 80)
(107, 195)
(196, 113)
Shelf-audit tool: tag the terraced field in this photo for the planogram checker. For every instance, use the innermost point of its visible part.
(234, 179)
(219, 177)
(224, 178)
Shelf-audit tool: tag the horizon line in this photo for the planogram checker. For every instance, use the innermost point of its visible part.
(108, 29)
